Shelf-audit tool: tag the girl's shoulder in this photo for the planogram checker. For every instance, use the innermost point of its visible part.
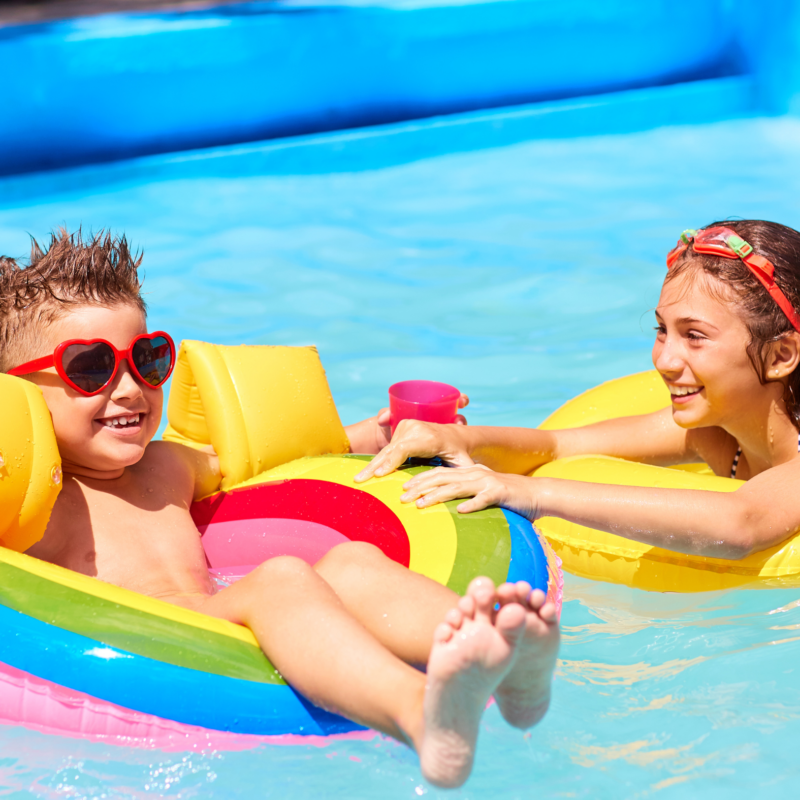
(715, 446)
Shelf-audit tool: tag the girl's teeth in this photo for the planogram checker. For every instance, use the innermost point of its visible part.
(680, 391)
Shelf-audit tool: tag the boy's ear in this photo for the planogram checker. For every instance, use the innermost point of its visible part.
(783, 356)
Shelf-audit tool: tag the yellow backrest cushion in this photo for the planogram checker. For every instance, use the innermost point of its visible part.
(30, 472)
(259, 406)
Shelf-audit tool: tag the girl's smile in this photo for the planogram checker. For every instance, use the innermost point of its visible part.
(683, 394)
(701, 353)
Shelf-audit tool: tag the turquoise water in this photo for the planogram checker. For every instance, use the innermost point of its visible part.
(524, 275)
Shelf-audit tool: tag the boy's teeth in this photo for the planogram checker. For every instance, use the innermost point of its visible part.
(117, 422)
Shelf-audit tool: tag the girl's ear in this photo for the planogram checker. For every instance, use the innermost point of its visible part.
(783, 356)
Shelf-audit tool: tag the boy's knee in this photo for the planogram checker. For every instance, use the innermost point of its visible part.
(285, 568)
(351, 554)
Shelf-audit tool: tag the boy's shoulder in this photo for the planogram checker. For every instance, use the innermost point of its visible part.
(169, 458)
(172, 454)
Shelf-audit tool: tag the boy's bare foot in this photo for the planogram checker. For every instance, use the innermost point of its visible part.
(524, 695)
(473, 651)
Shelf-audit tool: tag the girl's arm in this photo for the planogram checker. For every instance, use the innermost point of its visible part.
(650, 438)
(761, 514)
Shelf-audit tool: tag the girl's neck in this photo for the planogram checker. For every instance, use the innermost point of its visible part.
(767, 437)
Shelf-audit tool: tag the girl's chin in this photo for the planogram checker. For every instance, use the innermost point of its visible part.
(688, 419)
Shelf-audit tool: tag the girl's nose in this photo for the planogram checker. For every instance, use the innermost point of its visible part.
(667, 357)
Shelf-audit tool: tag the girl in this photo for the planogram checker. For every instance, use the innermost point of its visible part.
(728, 348)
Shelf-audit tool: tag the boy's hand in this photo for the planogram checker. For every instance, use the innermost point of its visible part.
(384, 420)
(414, 438)
(485, 487)
(374, 434)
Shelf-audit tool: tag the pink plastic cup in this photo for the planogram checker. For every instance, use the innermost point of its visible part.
(430, 401)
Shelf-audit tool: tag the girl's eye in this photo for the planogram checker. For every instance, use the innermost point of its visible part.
(660, 328)
(695, 336)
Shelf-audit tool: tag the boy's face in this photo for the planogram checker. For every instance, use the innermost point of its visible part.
(88, 443)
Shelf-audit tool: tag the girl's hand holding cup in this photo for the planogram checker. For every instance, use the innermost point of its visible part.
(413, 426)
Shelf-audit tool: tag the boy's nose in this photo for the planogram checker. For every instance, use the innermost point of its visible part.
(125, 385)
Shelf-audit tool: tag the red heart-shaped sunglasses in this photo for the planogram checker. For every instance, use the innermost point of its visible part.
(88, 366)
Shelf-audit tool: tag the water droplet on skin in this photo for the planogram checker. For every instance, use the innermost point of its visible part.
(149, 490)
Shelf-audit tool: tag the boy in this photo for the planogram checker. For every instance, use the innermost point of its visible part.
(123, 517)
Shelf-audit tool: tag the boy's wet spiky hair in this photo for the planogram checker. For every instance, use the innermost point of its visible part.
(71, 271)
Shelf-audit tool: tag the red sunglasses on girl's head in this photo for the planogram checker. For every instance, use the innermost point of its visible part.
(89, 366)
(725, 242)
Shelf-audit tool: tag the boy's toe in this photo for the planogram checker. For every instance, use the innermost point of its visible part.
(511, 622)
(523, 591)
(443, 633)
(466, 605)
(536, 599)
(454, 618)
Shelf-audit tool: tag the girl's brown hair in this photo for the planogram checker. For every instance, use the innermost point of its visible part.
(763, 317)
(71, 270)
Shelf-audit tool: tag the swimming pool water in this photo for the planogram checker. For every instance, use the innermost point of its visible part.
(522, 274)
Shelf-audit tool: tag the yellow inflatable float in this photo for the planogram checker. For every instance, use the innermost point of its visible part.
(604, 556)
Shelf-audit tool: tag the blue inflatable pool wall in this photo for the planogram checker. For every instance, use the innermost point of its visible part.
(114, 86)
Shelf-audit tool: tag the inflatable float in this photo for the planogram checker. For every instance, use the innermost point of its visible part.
(605, 556)
(82, 657)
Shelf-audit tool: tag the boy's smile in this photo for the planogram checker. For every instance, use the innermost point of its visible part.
(124, 424)
(100, 435)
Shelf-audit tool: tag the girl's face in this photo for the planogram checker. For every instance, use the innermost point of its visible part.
(700, 351)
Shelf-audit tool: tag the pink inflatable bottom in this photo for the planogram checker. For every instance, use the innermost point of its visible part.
(47, 707)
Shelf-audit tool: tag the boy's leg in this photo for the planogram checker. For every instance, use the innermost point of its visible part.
(402, 610)
(398, 607)
(300, 623)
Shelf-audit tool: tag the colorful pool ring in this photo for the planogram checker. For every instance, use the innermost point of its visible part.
(604, 556)
(82, 657)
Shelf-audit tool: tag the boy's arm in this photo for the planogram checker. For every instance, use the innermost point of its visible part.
(368, 436)
(650, 438)
(762, 513)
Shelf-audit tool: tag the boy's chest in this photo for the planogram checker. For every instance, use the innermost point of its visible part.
(139, 535)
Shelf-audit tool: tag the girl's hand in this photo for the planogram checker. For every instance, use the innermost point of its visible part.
(485, 487)
(414, 438)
